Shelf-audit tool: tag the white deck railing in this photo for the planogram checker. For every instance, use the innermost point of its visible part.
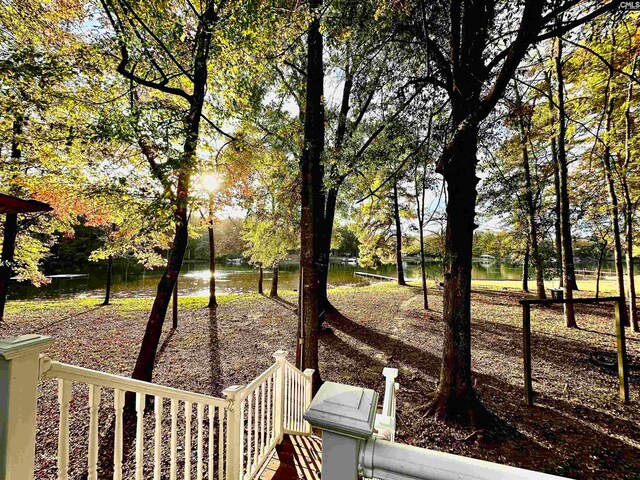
(220, 438)
(356, 444)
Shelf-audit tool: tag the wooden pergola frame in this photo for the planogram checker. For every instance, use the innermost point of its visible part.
(623, 368)
(12, 206)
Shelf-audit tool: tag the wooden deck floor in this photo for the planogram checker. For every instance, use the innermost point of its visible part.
(295, 458)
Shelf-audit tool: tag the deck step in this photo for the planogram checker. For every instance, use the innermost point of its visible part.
(297, 457)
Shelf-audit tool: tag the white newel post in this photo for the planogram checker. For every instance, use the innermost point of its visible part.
(278, 416)
(308, 393)
(346, 416)
(19, 375)
(235, 432)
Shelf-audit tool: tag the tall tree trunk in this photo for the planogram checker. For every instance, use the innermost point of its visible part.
(312, 199)
(525, 266)
(143, 369)
(260, 279)
(107, 295)
(531, 207)
(213, 303)
(629, 205)
(556, 184)
(603, 249)
(455, 398)
(614, 211)
(8, 251)
(396, 217)
(174, 315)
(274, 281)
(330, 212)
(633, 308)
(423, 269)
(565, 212)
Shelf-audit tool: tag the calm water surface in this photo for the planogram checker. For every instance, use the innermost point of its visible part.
(130, 280)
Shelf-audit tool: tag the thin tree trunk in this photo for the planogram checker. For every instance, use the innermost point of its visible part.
(603, 249)
(274, 281)
(213, 303)
(556, 185)
(423, 270)
(531, 208)
(525, 266)
(565, 212)
(325, 305)
(614, 212)
(107, 295)
(396, 217)
(8, 251)
(260, 279)
(175, 306)
(143, 369)
(629, 206)
(312, 199)
(633, 308)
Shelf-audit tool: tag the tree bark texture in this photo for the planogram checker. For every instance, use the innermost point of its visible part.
(107, 295)
(565, 213)
(312, 257)
(398, 235)
(274, 281)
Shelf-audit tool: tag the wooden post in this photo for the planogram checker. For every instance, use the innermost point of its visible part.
(19, 374)
(8, 249)
(308, 394)
(526, 350)
(175, 305)
(278, 409)
(623, 369)
(235, 432)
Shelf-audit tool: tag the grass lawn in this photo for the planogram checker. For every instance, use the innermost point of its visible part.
(578, 427)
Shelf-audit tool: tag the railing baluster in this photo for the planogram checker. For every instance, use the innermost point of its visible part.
(262, 416)
(287, 400)
(300, 402)
(118, 405)
(294, 416)
(249, 445)
(200, 465)
(256, 429)
(297, 417)
(94, 407)
(269, 401)
(174, 439)
(158, 439)
(140, 399)
(64, 397)
(221, 418)
(211, 411)
(187, 441)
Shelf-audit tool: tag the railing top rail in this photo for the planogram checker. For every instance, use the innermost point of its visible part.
(292, 366)
(549, 301)
(251, 387)
(93, 377)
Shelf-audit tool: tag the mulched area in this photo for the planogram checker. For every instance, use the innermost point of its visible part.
(578, 427)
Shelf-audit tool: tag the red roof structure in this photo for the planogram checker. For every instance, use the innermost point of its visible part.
(10, 204)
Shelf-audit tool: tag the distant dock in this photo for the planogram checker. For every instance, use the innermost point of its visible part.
(377, 277)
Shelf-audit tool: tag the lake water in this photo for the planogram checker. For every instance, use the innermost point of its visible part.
(130, 280)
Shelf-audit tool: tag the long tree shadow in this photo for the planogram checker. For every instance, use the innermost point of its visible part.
(397, 351)
(285, 303)
(215, 368)
(565, 417)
